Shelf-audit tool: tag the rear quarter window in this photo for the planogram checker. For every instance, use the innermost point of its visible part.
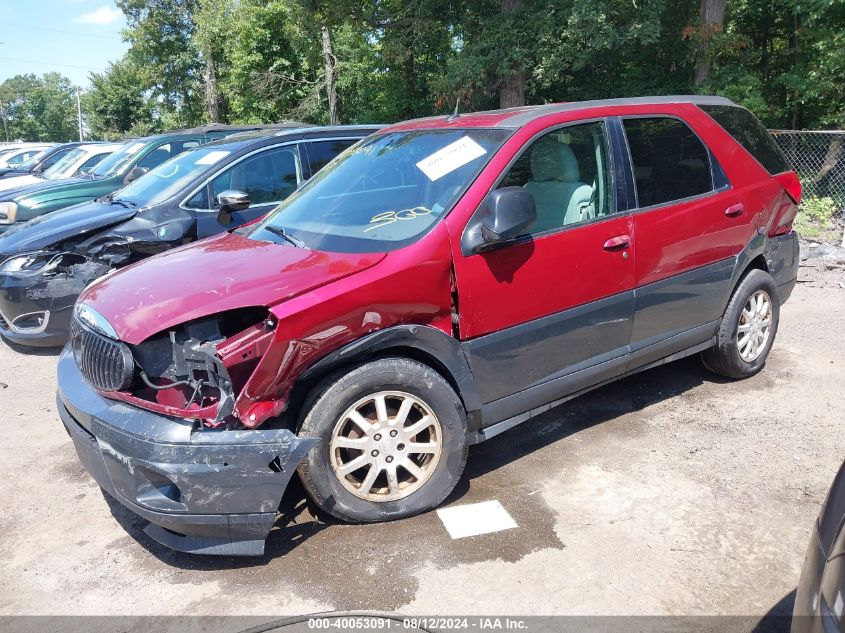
(747, 130)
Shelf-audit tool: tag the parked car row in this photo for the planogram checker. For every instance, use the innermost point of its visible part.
(361, 315)
(210, 188)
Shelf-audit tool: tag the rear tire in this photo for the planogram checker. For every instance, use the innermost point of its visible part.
(748, 328)
(392, 441)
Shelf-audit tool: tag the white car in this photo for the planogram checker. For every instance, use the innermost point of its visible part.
(75, 163)
(21, 153)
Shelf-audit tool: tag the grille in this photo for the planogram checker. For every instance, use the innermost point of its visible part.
(105, 363)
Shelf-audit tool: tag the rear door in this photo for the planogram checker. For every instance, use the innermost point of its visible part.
(267, 175)
(689, 225)
(551, 314)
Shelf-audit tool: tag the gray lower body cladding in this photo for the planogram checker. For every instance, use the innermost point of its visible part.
(203, 491)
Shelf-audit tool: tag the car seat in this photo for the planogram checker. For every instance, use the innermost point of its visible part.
(560, 197)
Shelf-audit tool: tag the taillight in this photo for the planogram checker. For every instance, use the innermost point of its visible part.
(790, 183)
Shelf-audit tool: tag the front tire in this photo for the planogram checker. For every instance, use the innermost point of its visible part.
(392, 441)
(748, 328)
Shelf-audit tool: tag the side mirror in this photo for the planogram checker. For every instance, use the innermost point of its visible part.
(230, 201)
(504, 215)
(134, 174)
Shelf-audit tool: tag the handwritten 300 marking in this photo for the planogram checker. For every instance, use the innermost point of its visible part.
(389, 217)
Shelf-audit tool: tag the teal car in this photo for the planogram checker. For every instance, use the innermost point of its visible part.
(129, 163)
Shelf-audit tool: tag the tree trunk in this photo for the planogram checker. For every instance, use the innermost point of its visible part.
(511, 85)
(796, 60)
(512, 90)
(212, 93)
(331, 85)
(712, 17)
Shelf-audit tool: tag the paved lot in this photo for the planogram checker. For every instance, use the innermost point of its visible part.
(668, 493)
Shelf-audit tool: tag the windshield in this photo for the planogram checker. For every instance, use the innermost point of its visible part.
(114, 163)
(171, 177)
(383, 193)
(65, 167)
(32, 162)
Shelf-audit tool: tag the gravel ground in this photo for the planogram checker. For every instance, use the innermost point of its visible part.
(671, 492)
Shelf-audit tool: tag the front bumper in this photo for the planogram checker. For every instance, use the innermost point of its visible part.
(820, 596)
(25, 298)
(203, 491)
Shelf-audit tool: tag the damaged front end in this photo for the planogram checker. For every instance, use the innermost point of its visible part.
(193, 371)
(38, 288)
(204, 491)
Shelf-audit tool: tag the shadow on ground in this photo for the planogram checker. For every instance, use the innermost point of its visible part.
(779, 617)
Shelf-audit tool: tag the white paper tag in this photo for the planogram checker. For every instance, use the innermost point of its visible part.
(473, 519)
(448, 159)
(135, 148)
(212, 157)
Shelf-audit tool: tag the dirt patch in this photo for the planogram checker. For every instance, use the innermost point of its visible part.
(671, 491)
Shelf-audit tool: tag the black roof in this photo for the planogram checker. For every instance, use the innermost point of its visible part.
(268, 137)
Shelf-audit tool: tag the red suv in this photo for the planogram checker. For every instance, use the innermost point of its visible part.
(438, 283)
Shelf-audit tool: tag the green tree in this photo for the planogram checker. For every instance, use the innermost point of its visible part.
(160, 33)
(116, 105)
(39, 108)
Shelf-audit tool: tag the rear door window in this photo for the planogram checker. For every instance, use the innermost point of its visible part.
(751, 134)
(670, 162)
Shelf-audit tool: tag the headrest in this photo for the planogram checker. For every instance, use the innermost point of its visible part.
(553, 160)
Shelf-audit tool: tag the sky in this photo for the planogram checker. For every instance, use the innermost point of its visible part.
(73, 37)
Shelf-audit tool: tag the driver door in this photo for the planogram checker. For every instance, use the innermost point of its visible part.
(551, 313)
(267, 176)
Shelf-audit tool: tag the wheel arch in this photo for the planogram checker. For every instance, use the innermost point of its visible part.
(424, 344)
(752, 257)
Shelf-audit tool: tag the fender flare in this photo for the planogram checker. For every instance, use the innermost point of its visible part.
(445, 351)
(755, 248)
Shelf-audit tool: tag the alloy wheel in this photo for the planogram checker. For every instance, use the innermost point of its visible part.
(754, 329)
(386, 446)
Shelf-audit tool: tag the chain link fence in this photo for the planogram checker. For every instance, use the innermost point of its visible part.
(819, 159)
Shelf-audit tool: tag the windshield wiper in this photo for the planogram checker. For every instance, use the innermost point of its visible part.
(277, 230)
(110, 199)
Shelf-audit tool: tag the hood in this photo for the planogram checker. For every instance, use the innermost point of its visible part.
(59, 186)
(19, 180)
(221, 273)
(51, 228)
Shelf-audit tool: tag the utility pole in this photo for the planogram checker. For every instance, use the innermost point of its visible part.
(78, 114)
(5, 125)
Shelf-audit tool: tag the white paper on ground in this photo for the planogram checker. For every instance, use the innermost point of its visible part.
(449, 158)
(476, 518)
(212, 157)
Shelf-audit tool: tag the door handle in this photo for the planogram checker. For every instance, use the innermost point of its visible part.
(618, 243)
(735, 210)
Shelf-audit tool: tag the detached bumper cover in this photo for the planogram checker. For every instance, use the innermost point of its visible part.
(203, 491)
(34, 295)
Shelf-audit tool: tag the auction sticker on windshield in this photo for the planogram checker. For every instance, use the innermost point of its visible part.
(212, 157)
(450, 158)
